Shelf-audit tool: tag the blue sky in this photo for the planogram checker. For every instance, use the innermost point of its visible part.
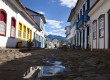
(56, 13)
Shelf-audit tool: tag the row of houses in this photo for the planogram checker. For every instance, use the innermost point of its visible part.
(89, 25)
(19, 25)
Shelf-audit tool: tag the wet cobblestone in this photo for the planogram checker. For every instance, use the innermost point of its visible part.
(82, 64)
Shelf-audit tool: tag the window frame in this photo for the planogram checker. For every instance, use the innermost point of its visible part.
(11, 27)
(94, 32)
(103, 28)
(2, 10)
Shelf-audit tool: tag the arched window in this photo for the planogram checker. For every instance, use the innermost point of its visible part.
(3, 20)
(13, 28)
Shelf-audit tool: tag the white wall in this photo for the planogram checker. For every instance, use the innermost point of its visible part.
(102, 7)
(7, 41)
(12, 12)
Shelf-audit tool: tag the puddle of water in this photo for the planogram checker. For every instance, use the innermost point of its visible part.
(37, 72)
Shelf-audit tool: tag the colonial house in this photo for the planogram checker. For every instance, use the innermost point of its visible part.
(68, 38)
(100, 22)
(79, 17)
(47, 40)
(40, 19)
(56, 42)
(72, 35)
(16, 25)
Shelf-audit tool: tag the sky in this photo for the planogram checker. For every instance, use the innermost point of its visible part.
(56, 13)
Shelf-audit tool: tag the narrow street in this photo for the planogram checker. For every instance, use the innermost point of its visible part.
(79, 64)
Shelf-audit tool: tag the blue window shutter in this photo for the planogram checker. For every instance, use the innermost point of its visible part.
(88, 4)
(83, 8)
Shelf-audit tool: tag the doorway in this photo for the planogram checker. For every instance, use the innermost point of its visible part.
(109, 29)
(87, 36)
(83, 38)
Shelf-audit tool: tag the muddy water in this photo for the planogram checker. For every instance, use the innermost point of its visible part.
(45, 72)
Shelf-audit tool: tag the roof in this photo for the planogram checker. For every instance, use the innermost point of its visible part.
(72, 12)
(23, 10)
(94, 5)
(66, 27)
(38, 14)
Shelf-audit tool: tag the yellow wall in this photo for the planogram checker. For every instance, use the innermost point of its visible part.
(24, 33)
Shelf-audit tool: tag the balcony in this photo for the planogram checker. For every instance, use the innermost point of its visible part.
(86, 17)
(83, 19)
(80, 22)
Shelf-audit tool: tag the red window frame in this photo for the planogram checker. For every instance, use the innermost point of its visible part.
(4, 19)
(13, 23)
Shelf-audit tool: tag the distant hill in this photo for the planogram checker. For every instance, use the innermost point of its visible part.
(60, 38)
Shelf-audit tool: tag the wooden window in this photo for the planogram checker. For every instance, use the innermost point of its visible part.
(80, 13)
(94, 29)
(83, 8)
(101, 26)
(3, 20)
(20, 30)
(28, 33)
(13, 28)
(88, 4)
(24, 31)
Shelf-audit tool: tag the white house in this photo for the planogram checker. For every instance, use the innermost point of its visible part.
(100, 22)
(79, 17)
(68, 37)
(16, 25)
(56, 42)
(40, 20)
(72, 35)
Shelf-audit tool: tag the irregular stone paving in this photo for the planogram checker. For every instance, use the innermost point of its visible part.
(10, 54)
(80, 64)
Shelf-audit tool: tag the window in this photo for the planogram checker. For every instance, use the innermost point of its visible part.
(101, 26)
(3, 18)
(24, 31)
(88, 4)
(20, 30)
(28, 33)
(80, 13)
(94, 29)
(13, 27)
(78, 16)
(83, 8)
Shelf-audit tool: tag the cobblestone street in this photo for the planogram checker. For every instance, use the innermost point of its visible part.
(80, 64)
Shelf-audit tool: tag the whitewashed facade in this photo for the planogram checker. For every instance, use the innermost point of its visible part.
(100, 22)
(68, 37)
(40, 20)
(18, 24)
(79, 16)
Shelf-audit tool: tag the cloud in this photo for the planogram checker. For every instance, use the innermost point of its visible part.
(54, 33)
(68, 3)
(59, 30)
(54, 24)
(41, 12)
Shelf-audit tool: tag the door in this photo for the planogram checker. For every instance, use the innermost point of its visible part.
(83, 38)
(109, 29)
(88, 37)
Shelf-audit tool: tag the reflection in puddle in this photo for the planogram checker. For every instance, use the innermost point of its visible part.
(43, 71)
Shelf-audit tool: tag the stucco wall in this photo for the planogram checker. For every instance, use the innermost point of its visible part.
(6, 41)
(102, 7)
